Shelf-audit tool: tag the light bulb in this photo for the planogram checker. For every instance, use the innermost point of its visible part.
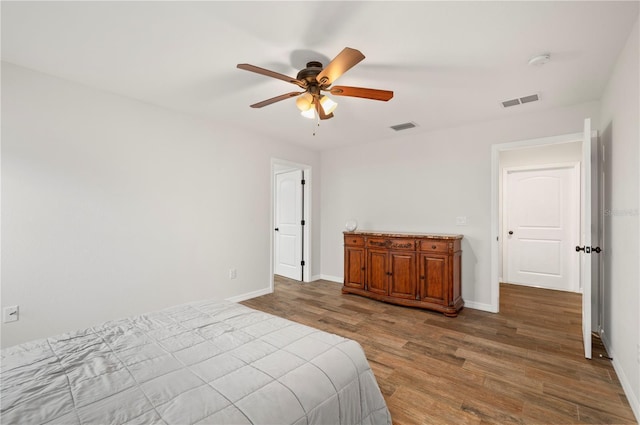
(304, 102)
(309, 113)
(328, 104)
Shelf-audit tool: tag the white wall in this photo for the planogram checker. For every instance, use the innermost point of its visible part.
(541, 155)
(620, 133)
(112, 207)
(422, 181)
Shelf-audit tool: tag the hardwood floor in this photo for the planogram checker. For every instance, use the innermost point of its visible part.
(523, 365)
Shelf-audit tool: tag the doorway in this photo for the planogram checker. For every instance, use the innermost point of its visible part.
(589, 283)
(290, 220)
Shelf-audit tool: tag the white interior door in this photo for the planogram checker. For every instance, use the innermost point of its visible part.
(288, 221)
(541, 215)
(585, 238)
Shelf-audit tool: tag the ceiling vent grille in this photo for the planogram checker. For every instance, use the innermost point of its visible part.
(508, 103)
(520, 100)
(404, 126)
(531, 98)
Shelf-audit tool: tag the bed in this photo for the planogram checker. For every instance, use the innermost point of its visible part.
(207, 362)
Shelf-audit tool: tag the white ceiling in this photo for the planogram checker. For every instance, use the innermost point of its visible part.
(449, 63)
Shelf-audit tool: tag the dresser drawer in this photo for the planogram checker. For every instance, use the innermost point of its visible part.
(392, 243)
(402, 244)
(434, 246)
(380, 243)
(353, 240)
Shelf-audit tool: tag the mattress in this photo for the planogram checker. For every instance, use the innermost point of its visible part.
(207, 362)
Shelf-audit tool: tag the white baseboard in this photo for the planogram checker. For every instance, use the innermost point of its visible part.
(480, 306)
(337, 279)
(633, 399)
(249, 295)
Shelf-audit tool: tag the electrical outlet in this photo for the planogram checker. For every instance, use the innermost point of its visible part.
(10, 314)
(461, 221)
(233, 273)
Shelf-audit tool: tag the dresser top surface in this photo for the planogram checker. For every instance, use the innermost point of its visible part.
(403, 235)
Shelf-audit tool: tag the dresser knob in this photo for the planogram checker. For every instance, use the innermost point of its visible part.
(433, 247)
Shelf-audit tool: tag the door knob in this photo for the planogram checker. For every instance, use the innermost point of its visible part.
(511, 232)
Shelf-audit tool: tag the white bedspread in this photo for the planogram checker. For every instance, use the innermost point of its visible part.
(207, 362)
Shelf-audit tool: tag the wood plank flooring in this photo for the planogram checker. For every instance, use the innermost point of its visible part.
(523, 365)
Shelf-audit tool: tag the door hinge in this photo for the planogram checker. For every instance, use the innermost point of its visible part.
(302, 263)
(302, 222)
(303, 182)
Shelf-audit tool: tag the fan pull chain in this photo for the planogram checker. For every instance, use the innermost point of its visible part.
(317, 123)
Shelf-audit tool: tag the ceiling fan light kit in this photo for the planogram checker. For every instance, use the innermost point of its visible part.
(314, 79)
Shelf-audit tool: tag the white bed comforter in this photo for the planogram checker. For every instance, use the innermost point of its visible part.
(207, 362)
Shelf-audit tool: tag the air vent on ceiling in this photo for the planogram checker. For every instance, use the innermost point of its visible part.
(520, 100)
(404, 126)
(531, 98)
(512, 102)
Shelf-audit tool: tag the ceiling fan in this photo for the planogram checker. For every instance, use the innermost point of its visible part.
(314, 79)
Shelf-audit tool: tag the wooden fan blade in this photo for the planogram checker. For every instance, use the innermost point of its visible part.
(365, 93)
(345, 60)
(272, 74)
(321, 114)
(276, 99)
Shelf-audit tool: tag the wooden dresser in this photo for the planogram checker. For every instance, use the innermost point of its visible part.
(416, 270)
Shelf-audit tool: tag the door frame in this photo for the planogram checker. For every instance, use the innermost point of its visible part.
(277, 166)
(496, 207)
(575, 168)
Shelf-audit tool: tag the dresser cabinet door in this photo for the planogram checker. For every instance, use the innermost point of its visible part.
(377, 272)
(402, 282)
(354, 266)
(433, 278)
